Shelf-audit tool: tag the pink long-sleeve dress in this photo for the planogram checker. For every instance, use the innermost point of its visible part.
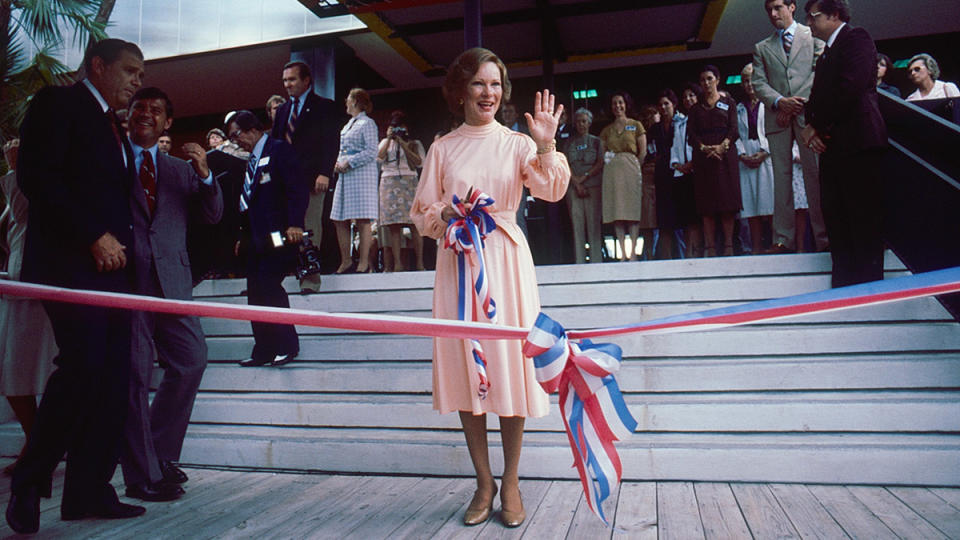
(499, 162)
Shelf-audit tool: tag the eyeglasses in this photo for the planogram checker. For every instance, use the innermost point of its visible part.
(814, 15)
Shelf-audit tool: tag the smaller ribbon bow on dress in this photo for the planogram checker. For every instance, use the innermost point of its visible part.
(465, 235)
(594, 411)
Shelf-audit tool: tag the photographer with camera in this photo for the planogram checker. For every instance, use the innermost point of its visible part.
(399, 156)
(273, 203)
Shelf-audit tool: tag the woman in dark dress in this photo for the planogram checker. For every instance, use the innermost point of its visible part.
(673, 175)
(712, 130)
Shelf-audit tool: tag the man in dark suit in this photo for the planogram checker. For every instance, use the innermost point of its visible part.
(844, 126)
(167, 192)
(76, 171)
(312, 125)
(272, 204)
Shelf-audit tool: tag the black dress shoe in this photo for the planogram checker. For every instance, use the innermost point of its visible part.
(282, 359)
(155, 491)
(172, 474)
(255, 362)
(111, 510)
(23, 511)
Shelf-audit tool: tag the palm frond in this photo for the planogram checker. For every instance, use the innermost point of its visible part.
(42, 19)
(39, 20)
(84, 28)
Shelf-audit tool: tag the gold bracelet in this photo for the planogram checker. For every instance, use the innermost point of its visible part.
(548, 148)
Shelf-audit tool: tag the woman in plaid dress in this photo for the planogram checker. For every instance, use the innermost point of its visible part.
(355, 197)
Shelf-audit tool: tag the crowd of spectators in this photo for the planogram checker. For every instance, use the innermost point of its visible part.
(688, 175)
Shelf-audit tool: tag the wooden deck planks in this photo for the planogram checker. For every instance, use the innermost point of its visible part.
(808, 516)
(585, 523)
(556, 511)
(762, 512)
(636, 511)
(934, 509)
(437, 509)
(239, 504)
(902, 520)
(678, 515)
(856, 519)
(294, 508)
(719, 511)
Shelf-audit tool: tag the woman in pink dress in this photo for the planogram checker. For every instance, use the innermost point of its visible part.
(484, 155)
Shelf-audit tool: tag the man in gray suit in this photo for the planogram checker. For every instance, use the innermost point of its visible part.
(783, 66)
(166, 191)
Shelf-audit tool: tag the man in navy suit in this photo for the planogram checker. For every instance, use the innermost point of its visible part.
(273, 202)
(168, 192)
(312, 125)
(76, 171)
(844, 126)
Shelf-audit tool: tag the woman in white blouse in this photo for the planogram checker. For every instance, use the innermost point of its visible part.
(923, 71)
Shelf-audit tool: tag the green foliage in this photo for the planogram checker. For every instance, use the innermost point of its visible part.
(42, 23)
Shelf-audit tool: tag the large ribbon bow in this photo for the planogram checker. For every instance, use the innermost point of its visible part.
(465, 235)
(594, 412)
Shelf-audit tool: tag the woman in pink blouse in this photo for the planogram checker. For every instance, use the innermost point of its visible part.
(484, 155)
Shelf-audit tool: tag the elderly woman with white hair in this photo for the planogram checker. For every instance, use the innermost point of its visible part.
(585, 155)
(923, 71)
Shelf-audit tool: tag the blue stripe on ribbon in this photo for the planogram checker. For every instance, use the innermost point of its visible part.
(887, 286)
(619, 404)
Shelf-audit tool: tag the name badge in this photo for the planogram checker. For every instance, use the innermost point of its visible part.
(265, 178)
(723, 106)
(630, 128)
(263, 161)
(582, 147)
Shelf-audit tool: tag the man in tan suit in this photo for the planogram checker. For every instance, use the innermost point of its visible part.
(783, 66)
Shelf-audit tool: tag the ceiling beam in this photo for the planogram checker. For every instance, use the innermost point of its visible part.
(533, 14)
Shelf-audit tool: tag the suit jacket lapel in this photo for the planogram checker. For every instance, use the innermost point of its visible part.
(258, 173)
(801, 41)
(776, 45)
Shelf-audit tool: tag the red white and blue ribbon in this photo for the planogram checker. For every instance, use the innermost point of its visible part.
(594, 411)
(465, 235)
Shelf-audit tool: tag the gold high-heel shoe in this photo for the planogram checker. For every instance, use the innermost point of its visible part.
(512, 519)
(478, 512)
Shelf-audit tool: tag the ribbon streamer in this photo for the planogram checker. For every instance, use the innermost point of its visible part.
(875, 293)
(593, 409)
(465, 235)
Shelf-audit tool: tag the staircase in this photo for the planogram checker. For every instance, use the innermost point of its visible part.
(863, 396)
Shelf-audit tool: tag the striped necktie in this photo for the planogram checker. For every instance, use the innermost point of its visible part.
(248, 182)
(148, 181)
(787, 42)
(292, 121)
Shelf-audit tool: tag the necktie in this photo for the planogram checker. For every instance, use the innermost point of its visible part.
(291, 122)
(248, 183)
(787, 42)
(148, 180)
(114, 121)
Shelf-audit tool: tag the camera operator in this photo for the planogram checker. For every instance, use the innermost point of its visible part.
(399, 156)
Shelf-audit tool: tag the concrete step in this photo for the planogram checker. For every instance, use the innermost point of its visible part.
(745, 341)
(917, 459)
(767, 411)
(702, 374)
